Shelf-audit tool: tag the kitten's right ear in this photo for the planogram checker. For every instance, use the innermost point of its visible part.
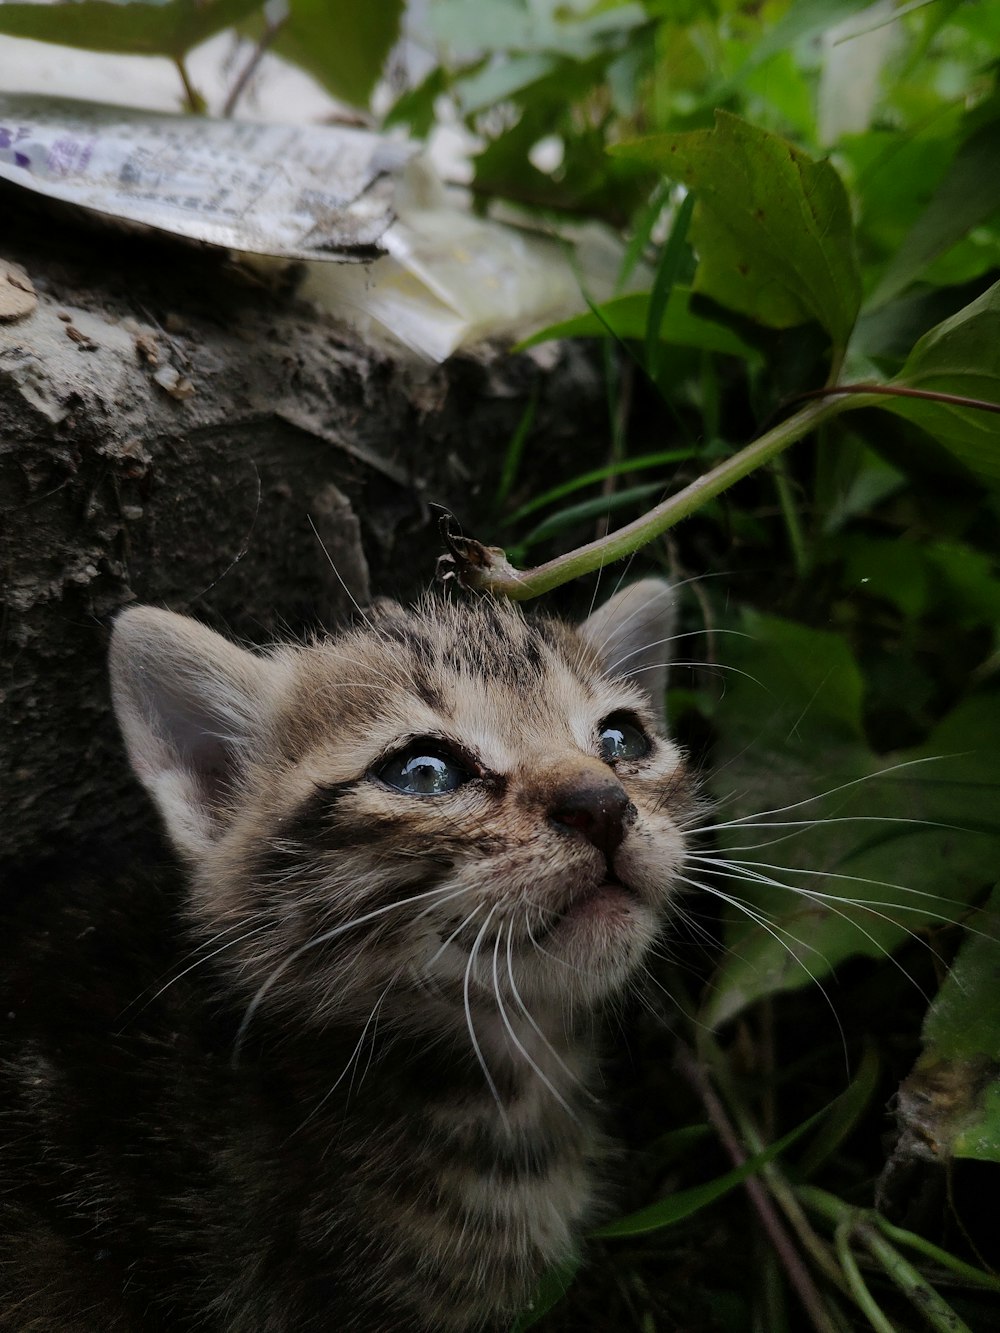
(632, 634)
(190, 705)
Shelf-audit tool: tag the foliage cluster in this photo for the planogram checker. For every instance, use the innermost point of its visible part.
(835, 211)
(815, 185)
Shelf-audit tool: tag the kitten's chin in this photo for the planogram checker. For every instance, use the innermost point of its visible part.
(604, 903)
(608, 906)
(603, 933)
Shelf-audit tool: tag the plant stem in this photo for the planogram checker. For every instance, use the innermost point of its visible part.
(780, 1188)
(193, 99)
(868, 1226)
(897, 391)
(968, 1272)
(790, 513)
(490, 571)
(791, 1260)
(918, 1290)
(250, 68)
(859, 1288)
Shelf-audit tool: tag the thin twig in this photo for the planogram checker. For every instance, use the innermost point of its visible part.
(250, 68)
(897, 391)
(487, 569)
(194, 99)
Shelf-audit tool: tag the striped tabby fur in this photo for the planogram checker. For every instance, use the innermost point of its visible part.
(343, 1079)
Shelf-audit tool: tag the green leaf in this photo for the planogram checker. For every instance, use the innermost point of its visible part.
(415, 107)
(772, 228)
(969, 194)
(666, 1212)
(499, 82)
(805, 18)
(960, 356)
(965, 584)
(343, 44)
(138, 28)
(552, 1288)
(964, 1020)
(471, 26)
(628, 317)
(951, 1101)
(894, 570)
(827, 851)
(515, 448)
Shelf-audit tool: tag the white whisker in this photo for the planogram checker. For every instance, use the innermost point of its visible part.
(283, 967)
(775, 932)
(513, 1035)
(462, 925)
(755, 818)
(468, 1016)
(351, 1059)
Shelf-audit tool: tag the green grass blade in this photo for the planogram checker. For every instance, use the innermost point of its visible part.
(663, 284)
(639, 464)
(645, 222)
(515, 449)
(598, 507)
(666, 1212)
(847, 1111)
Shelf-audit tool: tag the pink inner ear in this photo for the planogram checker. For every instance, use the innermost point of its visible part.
(188, 703)
(632, 634)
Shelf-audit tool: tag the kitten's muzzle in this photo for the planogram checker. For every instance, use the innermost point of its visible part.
(598, 808)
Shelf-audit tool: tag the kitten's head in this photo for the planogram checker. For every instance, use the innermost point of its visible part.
(435, 806)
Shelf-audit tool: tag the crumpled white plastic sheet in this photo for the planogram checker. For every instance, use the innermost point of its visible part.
(452, 279)
(296, 192)
(411, 265)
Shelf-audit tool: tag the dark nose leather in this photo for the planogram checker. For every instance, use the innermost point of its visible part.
(597, 809)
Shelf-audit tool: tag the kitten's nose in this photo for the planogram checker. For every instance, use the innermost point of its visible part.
(597, 808)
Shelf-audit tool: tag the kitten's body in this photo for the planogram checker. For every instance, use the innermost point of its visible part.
(346, 1084)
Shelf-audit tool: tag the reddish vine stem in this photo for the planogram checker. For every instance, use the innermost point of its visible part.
(250, 68)
(798, 1274)
(897, 391)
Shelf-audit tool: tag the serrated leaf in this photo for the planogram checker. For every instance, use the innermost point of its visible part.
(138, 28)
(960, 356)
(833, 851)
(628, 317)
(951, 1101)
(772, 228)
(343, 44)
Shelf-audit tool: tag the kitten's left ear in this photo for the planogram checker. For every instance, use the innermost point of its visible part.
(191, 707)
(632, 632)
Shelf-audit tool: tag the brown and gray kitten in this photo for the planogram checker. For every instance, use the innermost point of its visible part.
(342, 1081)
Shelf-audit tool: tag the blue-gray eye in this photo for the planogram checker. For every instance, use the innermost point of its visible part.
(420, 771)
(622, 738)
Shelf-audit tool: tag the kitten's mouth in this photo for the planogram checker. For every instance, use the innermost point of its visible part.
(603, 903)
